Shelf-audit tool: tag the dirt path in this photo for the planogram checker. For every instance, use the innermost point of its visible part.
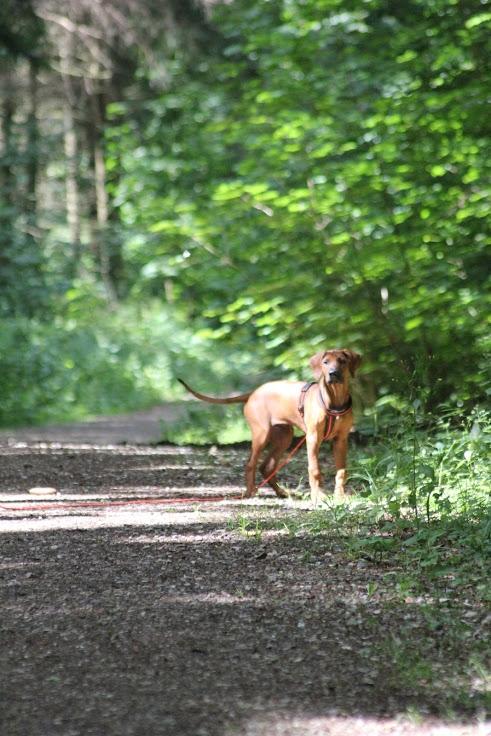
(138, 428)
(181, 620)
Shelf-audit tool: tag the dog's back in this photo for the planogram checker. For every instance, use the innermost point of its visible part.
(275, 402)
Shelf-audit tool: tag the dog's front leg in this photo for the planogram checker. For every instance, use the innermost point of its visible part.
(340, 452)
(314, 439)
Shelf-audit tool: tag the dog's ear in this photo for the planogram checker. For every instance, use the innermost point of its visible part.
(354, 360)
(315, 364)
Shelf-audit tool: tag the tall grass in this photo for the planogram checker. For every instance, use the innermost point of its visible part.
(428, 471)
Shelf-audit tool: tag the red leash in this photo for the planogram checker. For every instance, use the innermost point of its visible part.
(331, 414)
(285, 462)
(109, 503)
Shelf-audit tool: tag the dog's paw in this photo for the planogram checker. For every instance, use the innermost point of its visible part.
(318, 498)
(249, 493)
(282, 493)
(339, 495)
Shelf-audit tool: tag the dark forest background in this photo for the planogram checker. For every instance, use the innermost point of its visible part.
(218, 189)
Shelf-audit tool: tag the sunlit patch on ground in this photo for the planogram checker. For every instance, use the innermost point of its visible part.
(279, 725)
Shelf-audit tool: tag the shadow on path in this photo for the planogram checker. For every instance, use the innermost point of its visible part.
(193, 631)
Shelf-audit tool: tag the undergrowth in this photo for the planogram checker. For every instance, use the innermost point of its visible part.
(95, 361)
(202, 424)
(417, 528)
(420, 503)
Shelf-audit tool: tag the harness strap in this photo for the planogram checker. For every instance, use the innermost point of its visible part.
(331, 412)
(303, 394)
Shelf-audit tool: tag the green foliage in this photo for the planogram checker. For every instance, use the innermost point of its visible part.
(432, 512)
(101, 362)
(317, 175)
(61, 371)
(325, 179)
(428, 503)
(409, 467)
(204, 425)
(23, 289)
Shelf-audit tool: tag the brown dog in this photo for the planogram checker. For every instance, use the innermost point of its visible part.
(273, 409)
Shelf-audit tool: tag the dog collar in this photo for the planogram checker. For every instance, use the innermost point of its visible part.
(334, 411)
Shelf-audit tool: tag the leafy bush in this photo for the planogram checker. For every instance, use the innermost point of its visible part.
(103, 362)
(423, 499)
(429, 500)
(428, 471)
(323, 177)
(203, 425)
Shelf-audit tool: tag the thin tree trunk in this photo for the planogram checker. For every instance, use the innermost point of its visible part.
(109, 254)
(102, 204)
(32, 143)
(72, 190)
(71, 185)
(7, 189)
(6, 123)
(101, 198)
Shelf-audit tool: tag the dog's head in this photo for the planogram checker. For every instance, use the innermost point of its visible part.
(335, 365)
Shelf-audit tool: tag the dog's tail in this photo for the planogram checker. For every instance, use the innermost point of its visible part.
(238, 399)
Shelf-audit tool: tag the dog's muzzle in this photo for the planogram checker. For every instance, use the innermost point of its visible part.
(335, 377)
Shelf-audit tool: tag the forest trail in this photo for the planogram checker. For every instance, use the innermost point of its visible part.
(136, 428)
(189, 619)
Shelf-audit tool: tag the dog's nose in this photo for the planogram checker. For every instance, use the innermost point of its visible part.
(333, 373)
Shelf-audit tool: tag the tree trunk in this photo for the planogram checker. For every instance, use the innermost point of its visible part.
(6, 122)
(70, 139)
(110, 260)
(32, 144)
(7, 188)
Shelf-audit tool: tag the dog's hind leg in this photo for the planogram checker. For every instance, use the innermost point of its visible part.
(260, 439)
(280, 438)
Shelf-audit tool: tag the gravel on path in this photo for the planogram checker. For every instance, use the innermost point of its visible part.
(179, 620)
